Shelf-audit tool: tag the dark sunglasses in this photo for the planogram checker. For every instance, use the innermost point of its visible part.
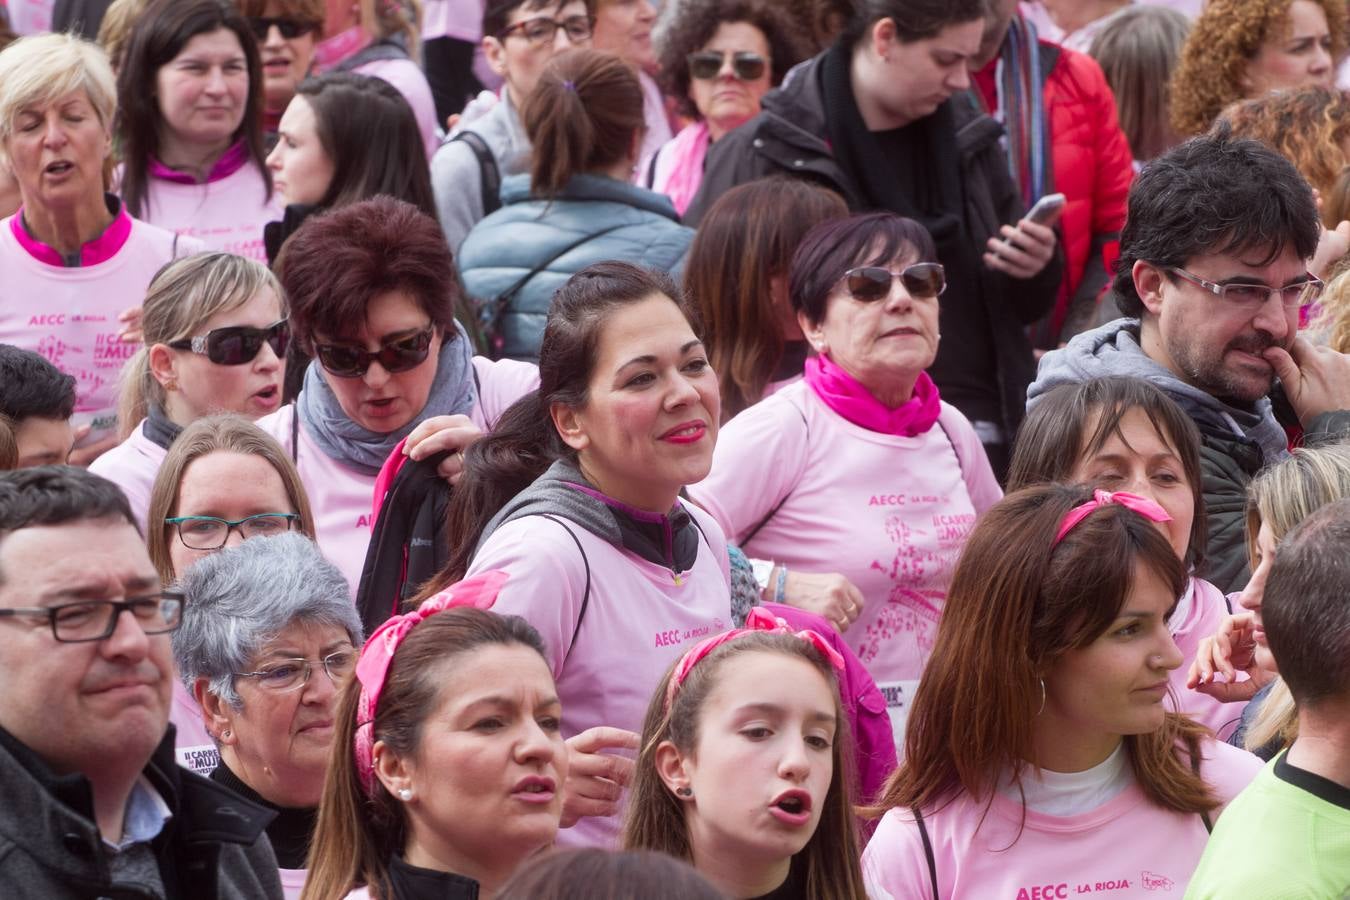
(397, 355)
(923, 281)
(289, 28)
(705, 65)
(238, 344)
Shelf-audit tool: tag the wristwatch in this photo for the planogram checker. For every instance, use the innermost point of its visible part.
(762, 570)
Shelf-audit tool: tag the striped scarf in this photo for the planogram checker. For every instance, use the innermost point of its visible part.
(1021, 99)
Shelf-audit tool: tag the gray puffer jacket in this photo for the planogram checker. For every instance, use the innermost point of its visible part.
(594, 219)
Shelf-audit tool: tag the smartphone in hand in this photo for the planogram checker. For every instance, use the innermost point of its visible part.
(1047, 209)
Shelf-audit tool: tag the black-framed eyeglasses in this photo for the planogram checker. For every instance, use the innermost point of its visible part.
(96, 620)
(237, 345)
(706, 65)
(211, 533)
(395, 355)
(289, 28)
(923, 281)
(291, 674)
(1245, 295)
(542, 29)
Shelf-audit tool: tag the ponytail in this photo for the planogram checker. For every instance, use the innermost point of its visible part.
(582, 116)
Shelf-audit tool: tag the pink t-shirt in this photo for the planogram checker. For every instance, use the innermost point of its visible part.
(1127, 847)
(890, 513)
(31, 16)
(69, 314)
(192, 744)
(1205, 613)
(405, 75)
(292, 882)
(341, 498)
(639, 620)
(132, 465)
(226, 213)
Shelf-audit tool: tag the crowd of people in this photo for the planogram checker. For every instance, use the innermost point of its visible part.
(758, 449)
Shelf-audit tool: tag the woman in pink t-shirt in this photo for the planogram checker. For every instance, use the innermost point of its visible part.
(743, 766)
(190, 90)
(1042, 760)
(1123, 434)
(860, 468)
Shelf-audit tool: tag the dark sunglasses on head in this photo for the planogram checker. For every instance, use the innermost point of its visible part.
(707, 64)
(396, 355)
(923, 281)
(289, 28)
(237, 344)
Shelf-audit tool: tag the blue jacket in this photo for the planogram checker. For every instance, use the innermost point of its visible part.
(528, 232)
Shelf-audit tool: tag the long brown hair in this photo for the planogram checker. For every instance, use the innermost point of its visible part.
(227, 433)
(1073, 421)
(580, 117)
(1018, 601)
(746, 239)
(356, 834)
(655, 819)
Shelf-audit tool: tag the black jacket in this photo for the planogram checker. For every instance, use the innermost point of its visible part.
(213, 848)
(789, 137)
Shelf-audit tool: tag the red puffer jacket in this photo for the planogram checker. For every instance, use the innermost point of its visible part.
(1092, 167)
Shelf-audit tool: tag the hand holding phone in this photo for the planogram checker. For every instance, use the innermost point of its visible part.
(1047, 209)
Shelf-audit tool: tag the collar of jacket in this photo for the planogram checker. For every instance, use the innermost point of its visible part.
(409, 882)
(592, 188)
(51, 817)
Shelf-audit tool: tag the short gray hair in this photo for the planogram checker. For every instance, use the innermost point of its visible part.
(242, 597)
(39, 69)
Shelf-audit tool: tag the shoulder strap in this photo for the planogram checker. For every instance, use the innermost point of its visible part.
(586, 594)
(295, 434)
(488, 171)
(956, 449)
(749, 536)
(927, 851)
(1204, 815)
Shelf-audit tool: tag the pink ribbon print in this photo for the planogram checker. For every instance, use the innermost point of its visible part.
(1142, 505)
(761, 620)
(478, 592)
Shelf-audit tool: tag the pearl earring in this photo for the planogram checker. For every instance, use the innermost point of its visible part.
(405, 794)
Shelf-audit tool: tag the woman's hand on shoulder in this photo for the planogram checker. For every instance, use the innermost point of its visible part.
(595, 779)
(1230, 650)
(440, 434)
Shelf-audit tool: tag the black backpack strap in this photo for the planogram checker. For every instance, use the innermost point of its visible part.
(927, 851)
(1204, 815)
(586, 595)
(489, 174)
(498, 304)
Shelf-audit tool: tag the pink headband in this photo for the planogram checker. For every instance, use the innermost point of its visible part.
(1142, 505)
(478, 592)
(759, 620)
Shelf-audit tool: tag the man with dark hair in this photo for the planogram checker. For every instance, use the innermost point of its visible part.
(885, 117)
(94, 804)
(39, 399)
(519, 38)
(1288, 833)
(1213, 271)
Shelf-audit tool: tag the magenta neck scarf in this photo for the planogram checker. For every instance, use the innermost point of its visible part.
(842, 393)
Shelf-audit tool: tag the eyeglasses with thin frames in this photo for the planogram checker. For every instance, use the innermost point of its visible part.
(292, 674)
(96, 620)
(1244, 295)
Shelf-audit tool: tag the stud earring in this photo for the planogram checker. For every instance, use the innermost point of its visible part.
(405, 794)
(685, 792)
(225, 733)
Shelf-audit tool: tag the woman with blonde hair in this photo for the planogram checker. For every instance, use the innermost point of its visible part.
(1309, 127)
(223, 481)
(1247, 48)
(215, 335)
(1279, 498)
(1137, 49)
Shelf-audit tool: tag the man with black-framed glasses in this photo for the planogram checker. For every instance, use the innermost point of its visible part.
(1217, 269)
(94, 804)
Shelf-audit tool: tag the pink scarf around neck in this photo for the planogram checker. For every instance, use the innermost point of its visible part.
(689, 149)
(842, 393)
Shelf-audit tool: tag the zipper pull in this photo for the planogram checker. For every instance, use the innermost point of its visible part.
(678, 581)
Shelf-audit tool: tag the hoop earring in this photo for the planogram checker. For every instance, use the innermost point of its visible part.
(1042, 709)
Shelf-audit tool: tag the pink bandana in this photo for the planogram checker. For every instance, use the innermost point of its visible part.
(842, 393)
(479, 592)
(759, 619)
(1142, 505)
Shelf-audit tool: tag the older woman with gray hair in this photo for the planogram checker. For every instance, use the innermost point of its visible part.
(271, 639)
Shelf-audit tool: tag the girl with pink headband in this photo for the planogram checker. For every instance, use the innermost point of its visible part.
(744, 766)
(1040, 756)
(449, 761)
